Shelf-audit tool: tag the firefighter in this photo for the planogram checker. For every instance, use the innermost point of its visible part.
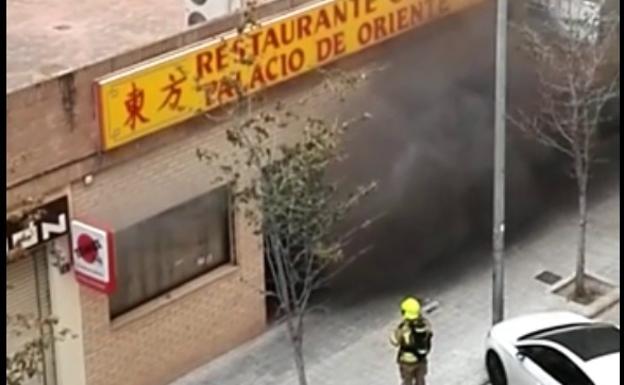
(413, 338)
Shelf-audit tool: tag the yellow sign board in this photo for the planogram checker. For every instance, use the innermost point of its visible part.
(154, 95)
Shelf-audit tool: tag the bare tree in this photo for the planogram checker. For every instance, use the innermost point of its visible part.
(282, 187)
(26, 361)
(573, 50)
(293, 203)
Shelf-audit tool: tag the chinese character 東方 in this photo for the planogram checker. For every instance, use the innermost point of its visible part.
(134, 104)
(174, 92)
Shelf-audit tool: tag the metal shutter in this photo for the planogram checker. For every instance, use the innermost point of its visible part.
(28, 294)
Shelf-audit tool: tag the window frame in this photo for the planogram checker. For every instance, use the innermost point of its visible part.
(201, 279)
(525, 350)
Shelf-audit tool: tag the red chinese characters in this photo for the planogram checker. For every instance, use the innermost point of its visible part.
(174, 92)
(134, 105)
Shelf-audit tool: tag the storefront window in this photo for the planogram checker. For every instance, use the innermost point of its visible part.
(163, 252)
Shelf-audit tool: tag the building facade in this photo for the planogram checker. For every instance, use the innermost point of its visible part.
(38, 289)
(151, 267)
(181, 253)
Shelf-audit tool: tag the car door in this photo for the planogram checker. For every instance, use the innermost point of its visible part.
(549, 366)
(526, 370)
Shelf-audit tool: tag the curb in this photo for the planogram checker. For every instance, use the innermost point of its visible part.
(599, 306)
(610, 301)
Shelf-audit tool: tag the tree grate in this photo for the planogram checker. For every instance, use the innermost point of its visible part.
(548, 277)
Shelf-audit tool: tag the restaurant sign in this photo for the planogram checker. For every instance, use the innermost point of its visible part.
(156, 94)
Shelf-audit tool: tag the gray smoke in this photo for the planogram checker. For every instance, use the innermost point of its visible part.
(430, 146)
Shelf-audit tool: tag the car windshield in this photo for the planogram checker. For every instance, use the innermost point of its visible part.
(586, 341)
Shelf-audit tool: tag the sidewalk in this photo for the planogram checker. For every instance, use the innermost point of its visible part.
(348, 344)
(612, 314)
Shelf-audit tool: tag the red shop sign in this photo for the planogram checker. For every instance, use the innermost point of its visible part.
(94, 256)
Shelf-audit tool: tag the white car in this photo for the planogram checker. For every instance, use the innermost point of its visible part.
(555, 348)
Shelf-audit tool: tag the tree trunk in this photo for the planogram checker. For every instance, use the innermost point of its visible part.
(299, 363)
(579, 279)
(296, 340)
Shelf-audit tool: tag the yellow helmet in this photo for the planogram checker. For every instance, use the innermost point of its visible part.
(410, 308)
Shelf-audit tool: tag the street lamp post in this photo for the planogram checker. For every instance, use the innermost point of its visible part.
(499, 163)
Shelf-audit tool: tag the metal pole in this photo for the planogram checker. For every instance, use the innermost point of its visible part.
(499, 162)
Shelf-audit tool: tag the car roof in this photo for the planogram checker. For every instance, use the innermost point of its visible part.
(604, 369)
(515, 328)
(587, 341)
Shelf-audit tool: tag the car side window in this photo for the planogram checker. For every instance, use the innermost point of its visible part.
(556, 364)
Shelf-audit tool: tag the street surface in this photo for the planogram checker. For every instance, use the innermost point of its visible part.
(348, 344)
(430, 146)
(612, 314)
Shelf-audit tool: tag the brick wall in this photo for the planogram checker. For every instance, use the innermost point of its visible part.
(172, 338)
